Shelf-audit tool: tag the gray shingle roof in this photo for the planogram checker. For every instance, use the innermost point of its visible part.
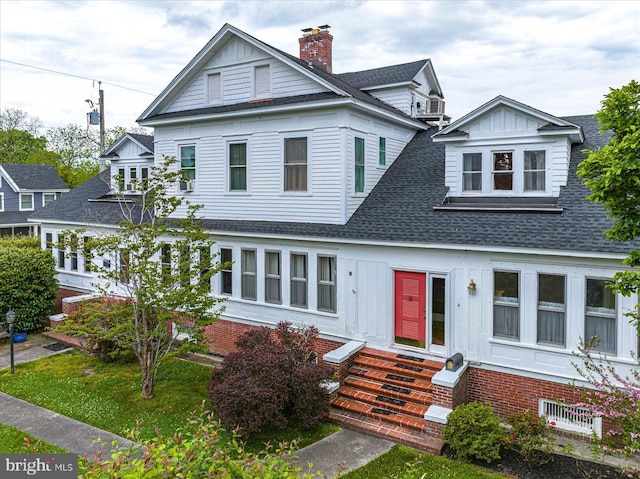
(400, 209)
(14, 217)
(145, 140)
(35, 177)
(389, 75)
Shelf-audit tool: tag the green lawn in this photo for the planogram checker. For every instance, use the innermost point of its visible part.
(108, 395)
(12, 441)
(402, 462)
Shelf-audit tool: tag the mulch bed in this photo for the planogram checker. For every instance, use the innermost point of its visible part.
(562, 467)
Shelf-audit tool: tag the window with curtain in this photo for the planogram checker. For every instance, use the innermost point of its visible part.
(299, 280)
(503, 171)
(359, 165)
(506, 305)
(327, 300)
(472, 171)
(382, 154)
(534, 170)
(295, 164)
(551, 309)
(188, 162)
(238, 167)
(600, 317)
(248, 269)
(226, 272)
(272, 284)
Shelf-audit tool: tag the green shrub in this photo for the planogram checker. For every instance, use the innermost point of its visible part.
(531, 437)
(195, 451)
(273, 380)
(28, 283)
(474, 432)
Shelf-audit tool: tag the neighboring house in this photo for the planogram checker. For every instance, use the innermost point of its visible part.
(23, 190)
(343, 203)
(131, 158)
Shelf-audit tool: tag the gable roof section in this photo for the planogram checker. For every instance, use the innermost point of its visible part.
(338, 88)
(32, 177)
(391, 75)
(143, 141)
(553, 124)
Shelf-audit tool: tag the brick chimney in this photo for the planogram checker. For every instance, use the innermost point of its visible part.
(315, 47)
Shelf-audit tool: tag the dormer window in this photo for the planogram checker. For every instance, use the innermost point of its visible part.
(503, 170)
(534, 170)
(472, 172)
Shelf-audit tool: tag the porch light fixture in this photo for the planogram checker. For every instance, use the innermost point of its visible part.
(454, 362)
(10, 317)
(472, 287)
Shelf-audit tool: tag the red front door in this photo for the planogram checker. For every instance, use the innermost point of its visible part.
(410, 308)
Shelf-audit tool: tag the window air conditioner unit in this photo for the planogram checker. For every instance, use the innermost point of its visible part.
(186, 186)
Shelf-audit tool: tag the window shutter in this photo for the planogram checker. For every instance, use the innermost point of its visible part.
(263, 81)
(215, 94)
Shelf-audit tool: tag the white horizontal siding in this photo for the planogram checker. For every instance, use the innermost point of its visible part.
(289, 82)
(193, 96)
(399, 98)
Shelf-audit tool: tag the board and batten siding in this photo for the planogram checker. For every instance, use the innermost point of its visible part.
(236, 63)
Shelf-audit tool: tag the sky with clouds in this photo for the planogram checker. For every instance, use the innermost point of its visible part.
(560, 57)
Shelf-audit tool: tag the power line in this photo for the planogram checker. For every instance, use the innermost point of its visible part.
(75, 76)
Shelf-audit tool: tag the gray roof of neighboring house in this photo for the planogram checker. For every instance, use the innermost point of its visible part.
(401, 209)
(35, 177)
(14, 217)
(389, 75)
(144, 140)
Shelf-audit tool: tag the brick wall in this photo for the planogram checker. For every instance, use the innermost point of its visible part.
(64, 293)
(451, 397)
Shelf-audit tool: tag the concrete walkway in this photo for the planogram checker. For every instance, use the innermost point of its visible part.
(343, 451)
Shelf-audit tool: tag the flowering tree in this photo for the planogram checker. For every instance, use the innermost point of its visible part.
(612, 173)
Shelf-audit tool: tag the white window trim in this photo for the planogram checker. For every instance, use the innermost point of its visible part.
(48, 194)
(613, 316)
(273, 276)
(333, 284)
(20, 202)
(298, 134)
(551, 308)
(227, 170)
(181, 145)
(364, 137)
(1, 201)
(505, 303)
(226, 271)
(249, 274)
(291, 280)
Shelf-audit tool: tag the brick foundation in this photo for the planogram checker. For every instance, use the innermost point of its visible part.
(451, 397)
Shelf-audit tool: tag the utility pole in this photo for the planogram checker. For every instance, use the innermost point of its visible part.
(101, 104)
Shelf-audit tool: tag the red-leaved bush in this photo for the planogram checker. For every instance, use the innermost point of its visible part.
(273, 380)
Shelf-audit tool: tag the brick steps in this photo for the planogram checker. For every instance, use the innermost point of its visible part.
(388, 394)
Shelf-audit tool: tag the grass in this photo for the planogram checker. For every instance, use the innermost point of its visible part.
(107, 396)
(402, 462)
(12, 441)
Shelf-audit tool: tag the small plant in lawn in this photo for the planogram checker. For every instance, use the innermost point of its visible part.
(474, 432)
(273, 379)
(531, 437)
(194, 451)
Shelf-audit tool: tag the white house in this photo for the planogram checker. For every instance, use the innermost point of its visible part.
(343, 203)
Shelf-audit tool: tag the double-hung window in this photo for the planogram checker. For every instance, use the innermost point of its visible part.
(86, 253)
(26, 201)
(506, 305)
(144, 178)
(61, 251)
(327, 300)
(249, 286)
(551, 309)
(133, 176)
(299, 280)
(472, 172)
(226, 271)
(295, 164)
(359, 165)
(188, 162)
(534, 170)
(238, 167)
(382, 152)
(120, 178)
(600, 315)
(503, 170)
(165, 261)
(48, 241)
(47, 198)
(272, 277)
